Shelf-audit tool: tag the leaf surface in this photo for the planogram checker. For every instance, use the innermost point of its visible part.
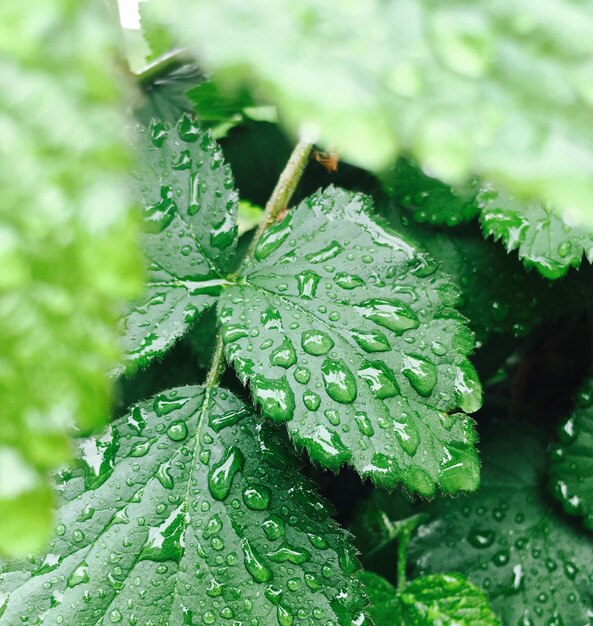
(541, 238)
(188, 511)
(444, 599)
(68, 247)
(350, 335)
(509, 539)
(190, 210)
(571, 470)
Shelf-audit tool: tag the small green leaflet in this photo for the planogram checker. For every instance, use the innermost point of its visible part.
(499, 89)
(509, 539)
(444, 599)
(542, 239)
(68, 247)
(188, 511)
(429, 199)
(571, 469)
(350, 335)
(190, 210)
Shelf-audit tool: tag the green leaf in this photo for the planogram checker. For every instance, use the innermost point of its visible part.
(429, 199)
(500, 90)
(157, 36)
(509, 539)
(542, 239)
(444, 599)
(164, 98)
(498, 295)
(68, 247)
(571, 478)
(190, 210)
(188, 510)
(349, 334)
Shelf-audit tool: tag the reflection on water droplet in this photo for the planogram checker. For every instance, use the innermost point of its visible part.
(273, 238)
(158, 216)
(220, 477)
(284, 355)
(256, 497)
(421, 373)
(339, 381)
(389, 313)
(307, 284)
(371, 341)
(316, 342)
(274, 397)
(379, 378)
(177, 431)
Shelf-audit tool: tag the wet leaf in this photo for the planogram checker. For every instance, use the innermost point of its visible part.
(349, 334)
(190, 210)
(444, 599)
(498, 295)
(571, 475)
(68, 247)
(187, 511)
(429, 199)
(543, 240)
(509, 538)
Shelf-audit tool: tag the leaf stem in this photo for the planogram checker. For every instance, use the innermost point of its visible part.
(217, 365)
(287, 183)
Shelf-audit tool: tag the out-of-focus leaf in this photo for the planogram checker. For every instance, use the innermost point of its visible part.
(68, 246)
(500, 89)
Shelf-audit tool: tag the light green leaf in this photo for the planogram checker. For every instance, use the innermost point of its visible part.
(349, 334)
(190, 210)
(444, 599)
(68, 246)
(249, 217)
(542, 239)
(499, 89)
(508, 537)
(188, 511)
(158, 36)
(571, 475)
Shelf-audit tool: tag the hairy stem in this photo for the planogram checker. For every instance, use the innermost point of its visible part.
(218, 364)
(284, 189)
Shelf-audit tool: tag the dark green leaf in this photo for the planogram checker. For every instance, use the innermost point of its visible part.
(443, 599)
(188, 511)
(542, 239)
(350, 335)
(571, 471)
(190, 210)
(509, 539)
(429, 199)
(498, 295)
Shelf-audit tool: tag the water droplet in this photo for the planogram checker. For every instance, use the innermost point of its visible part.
(311, 400)
(468, 390)
(140, 449)
(166, 542)
(97, 455)
(286, 553)
(316, 342)
(348, 281)
(254, 564)
(256, 497)
(230, 418)
(379, 378)
(371, 341)
(307, 284)
(273, 527)
(274, 397)
(391, 314)
(481, 538)
(421, 373)
(364, 424)
(220, 477)
(79, 576)
(273, 238)
(325, 254)
(158, 216)
(177, 431)
(339, 381)
(284, 355)
(302, 375)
